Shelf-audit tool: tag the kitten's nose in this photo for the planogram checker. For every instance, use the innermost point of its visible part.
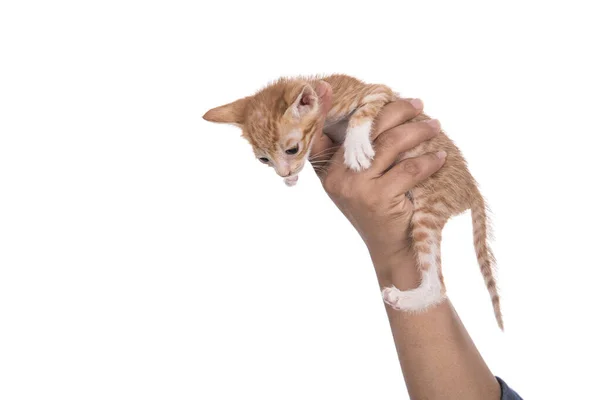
(291, 170)
(285, 172)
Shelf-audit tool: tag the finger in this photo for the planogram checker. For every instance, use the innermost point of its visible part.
(412, 171)
(389, 145)
(396, 113)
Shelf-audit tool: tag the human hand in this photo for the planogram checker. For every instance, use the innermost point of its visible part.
(374, 200)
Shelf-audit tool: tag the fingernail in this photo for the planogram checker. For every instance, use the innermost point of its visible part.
(441, 154)
(417, 103)
(435, 124)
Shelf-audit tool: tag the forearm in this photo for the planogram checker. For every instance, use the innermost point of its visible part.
(438, 358)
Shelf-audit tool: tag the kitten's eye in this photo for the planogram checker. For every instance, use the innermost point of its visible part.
(264, 160)
(293, 150)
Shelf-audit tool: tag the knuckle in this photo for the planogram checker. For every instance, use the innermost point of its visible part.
(412, 167)
(386, 141)
(393, 140)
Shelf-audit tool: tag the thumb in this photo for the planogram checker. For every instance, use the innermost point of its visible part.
(325, 94)
(322, 142)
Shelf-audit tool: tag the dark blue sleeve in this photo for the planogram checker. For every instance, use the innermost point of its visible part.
(507, 393)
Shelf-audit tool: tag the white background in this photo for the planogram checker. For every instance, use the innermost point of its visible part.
(145, 254)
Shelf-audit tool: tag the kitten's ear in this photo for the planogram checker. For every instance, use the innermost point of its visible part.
(303, 102)
(232, 113)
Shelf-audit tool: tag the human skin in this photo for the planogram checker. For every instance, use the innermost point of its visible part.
(438, 357)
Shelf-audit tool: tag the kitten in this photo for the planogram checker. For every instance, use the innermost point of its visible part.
(280, 122)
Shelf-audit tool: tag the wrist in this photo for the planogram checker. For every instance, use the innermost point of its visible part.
(397, 268)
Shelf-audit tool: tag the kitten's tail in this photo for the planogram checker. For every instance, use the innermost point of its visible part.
(485, 257)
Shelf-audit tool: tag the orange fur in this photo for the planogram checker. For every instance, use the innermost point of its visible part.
(284, 114)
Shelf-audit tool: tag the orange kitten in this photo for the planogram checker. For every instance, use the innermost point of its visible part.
(280, 122)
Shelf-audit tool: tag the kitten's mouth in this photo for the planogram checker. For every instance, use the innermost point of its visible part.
(291, 180)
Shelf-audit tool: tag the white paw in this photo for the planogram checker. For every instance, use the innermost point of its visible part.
(416, 300)
(358, 150)
(291, 181)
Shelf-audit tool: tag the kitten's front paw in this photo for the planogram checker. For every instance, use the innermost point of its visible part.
(291, 181)
(358, 152)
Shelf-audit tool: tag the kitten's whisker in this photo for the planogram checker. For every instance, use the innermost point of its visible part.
(325, 163)
(322, 161)
(321, 170)
(322, 166)
(324, 152)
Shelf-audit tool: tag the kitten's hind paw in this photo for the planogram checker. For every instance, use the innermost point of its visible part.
(358, 152)
(416, 300)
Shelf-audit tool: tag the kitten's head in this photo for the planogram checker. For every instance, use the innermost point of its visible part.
(279, 121)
